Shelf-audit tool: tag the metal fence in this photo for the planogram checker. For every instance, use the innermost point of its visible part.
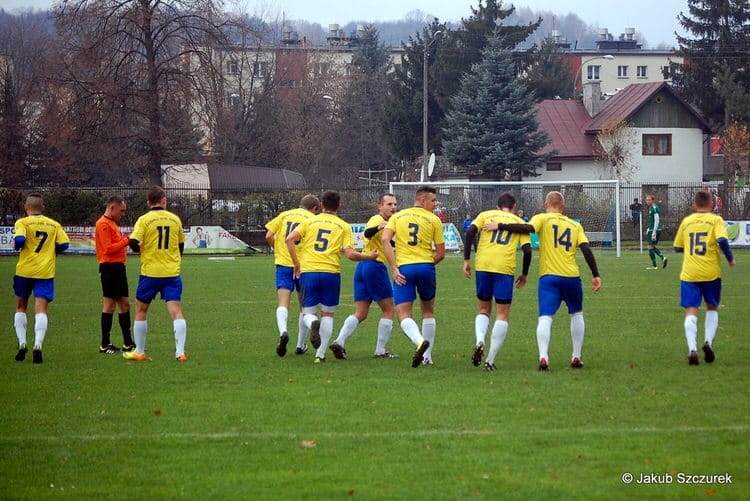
(245, 212)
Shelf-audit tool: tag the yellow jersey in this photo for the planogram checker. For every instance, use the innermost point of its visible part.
(375, 243)
(698, 235)
(416, 229)
(559, 239)
(322, 238)
(159, 232)
(37, 258)
(496, 250)
(281, 226)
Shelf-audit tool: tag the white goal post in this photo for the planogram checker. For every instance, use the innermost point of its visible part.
(596, 204)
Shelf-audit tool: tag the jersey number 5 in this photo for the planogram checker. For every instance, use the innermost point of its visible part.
(321, 243)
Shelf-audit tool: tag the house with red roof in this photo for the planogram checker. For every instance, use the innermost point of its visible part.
(664, 134)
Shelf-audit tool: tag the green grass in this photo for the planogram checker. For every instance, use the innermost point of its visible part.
(236, 421)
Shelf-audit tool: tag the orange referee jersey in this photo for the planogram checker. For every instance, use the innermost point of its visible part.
(111, 246)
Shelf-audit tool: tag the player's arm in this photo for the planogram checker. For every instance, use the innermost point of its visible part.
(270, 238)
(521, 279)
(726, 250)
(656, 225)
(105, 235)
(18, 242)
(291, 244)
(511, 227)
(588, 255)
(471, 233)
(135, 245)
(354, 255)
(60, 248)
(181, 246)
(439, 254)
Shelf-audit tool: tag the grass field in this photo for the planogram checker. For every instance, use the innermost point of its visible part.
(238, 422)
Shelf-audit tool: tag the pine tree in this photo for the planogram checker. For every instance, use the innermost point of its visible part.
(721, 40)
(549, 74)
(492, 127)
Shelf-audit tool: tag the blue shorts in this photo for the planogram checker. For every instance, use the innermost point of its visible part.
(420, 278)
(553, 290)
(371, 282)
(170, 288)
(320, 288)
(497, 285)
(285, 278)
(43, 288)
(691, 293)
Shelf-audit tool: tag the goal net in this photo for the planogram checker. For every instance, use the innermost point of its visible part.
(595, 204)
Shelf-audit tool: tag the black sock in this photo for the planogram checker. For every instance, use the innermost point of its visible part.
(106, 328)
(124, 319)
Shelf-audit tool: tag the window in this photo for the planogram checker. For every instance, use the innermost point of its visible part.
(640, 72)
(320, 69)
(593, 71)
(551, 166)
(288, 83)
(232, 68)
(622, 71)
(657, 144)
(260, 69)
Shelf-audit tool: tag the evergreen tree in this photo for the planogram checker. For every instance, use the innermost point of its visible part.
(549, 75)
(491, 126)
(721, 40)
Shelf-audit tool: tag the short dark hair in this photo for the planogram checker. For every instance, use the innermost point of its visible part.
(331, 200)
(383, 195)
(34, 201)
(703, 199)
(115, 200)
(425, 189)
(155, 195)
(506, 200)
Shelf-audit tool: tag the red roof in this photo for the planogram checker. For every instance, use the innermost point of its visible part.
(572, 131)
(565, 121)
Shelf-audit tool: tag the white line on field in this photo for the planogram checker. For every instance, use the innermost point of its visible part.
(374, 435)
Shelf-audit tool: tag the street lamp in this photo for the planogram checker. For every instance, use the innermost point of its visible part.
(609, 57)
(424, 105)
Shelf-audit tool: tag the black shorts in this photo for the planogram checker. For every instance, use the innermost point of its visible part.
(114, 280)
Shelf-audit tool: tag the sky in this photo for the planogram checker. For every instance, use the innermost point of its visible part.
(655, 19)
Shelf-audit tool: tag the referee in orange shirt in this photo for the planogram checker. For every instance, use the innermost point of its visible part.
(111, 248)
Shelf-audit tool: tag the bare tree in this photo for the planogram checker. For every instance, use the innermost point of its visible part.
(128, 59)
(614, 148)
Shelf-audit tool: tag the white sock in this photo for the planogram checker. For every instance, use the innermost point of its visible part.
(308, 319)
(481, 324)
(19, 322)
(411, 329)
(350, 324)
(543, 334)
(577, 328)
(282, 316)
(499, 331)
(385, 327)
(429, 327)
(180, 336)
(711, 324)
(140, 329)
(40, 329)
(691, 332)
(326, 331)
(301, 331)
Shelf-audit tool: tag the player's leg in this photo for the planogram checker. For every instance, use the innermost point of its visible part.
(284, 287)
(302, 328)
(123, 319)
(172, 294)
(483, 286)
(573, 297)
(22, 288)
(549, 299)
(330, 284)
(385, 327)
(690, 300)
(108, 313)
(147, 289)
(712, 297)
(499, 333)
(651, 253)
(311, 299)
(361, 309)
(362, 300)
(44, 293)
(425, 277)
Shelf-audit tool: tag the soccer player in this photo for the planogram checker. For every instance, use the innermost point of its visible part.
(111, 252)
(372, 283)
(653, 232)
(276, 232)
(495, 270)
(322, 239)
(159, 237)
(700, 236)
(39, 239)
(559, 276)
(417, 229)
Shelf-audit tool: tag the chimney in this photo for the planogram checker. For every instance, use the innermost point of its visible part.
(629, 33)
(592, 97)
(603, 34)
